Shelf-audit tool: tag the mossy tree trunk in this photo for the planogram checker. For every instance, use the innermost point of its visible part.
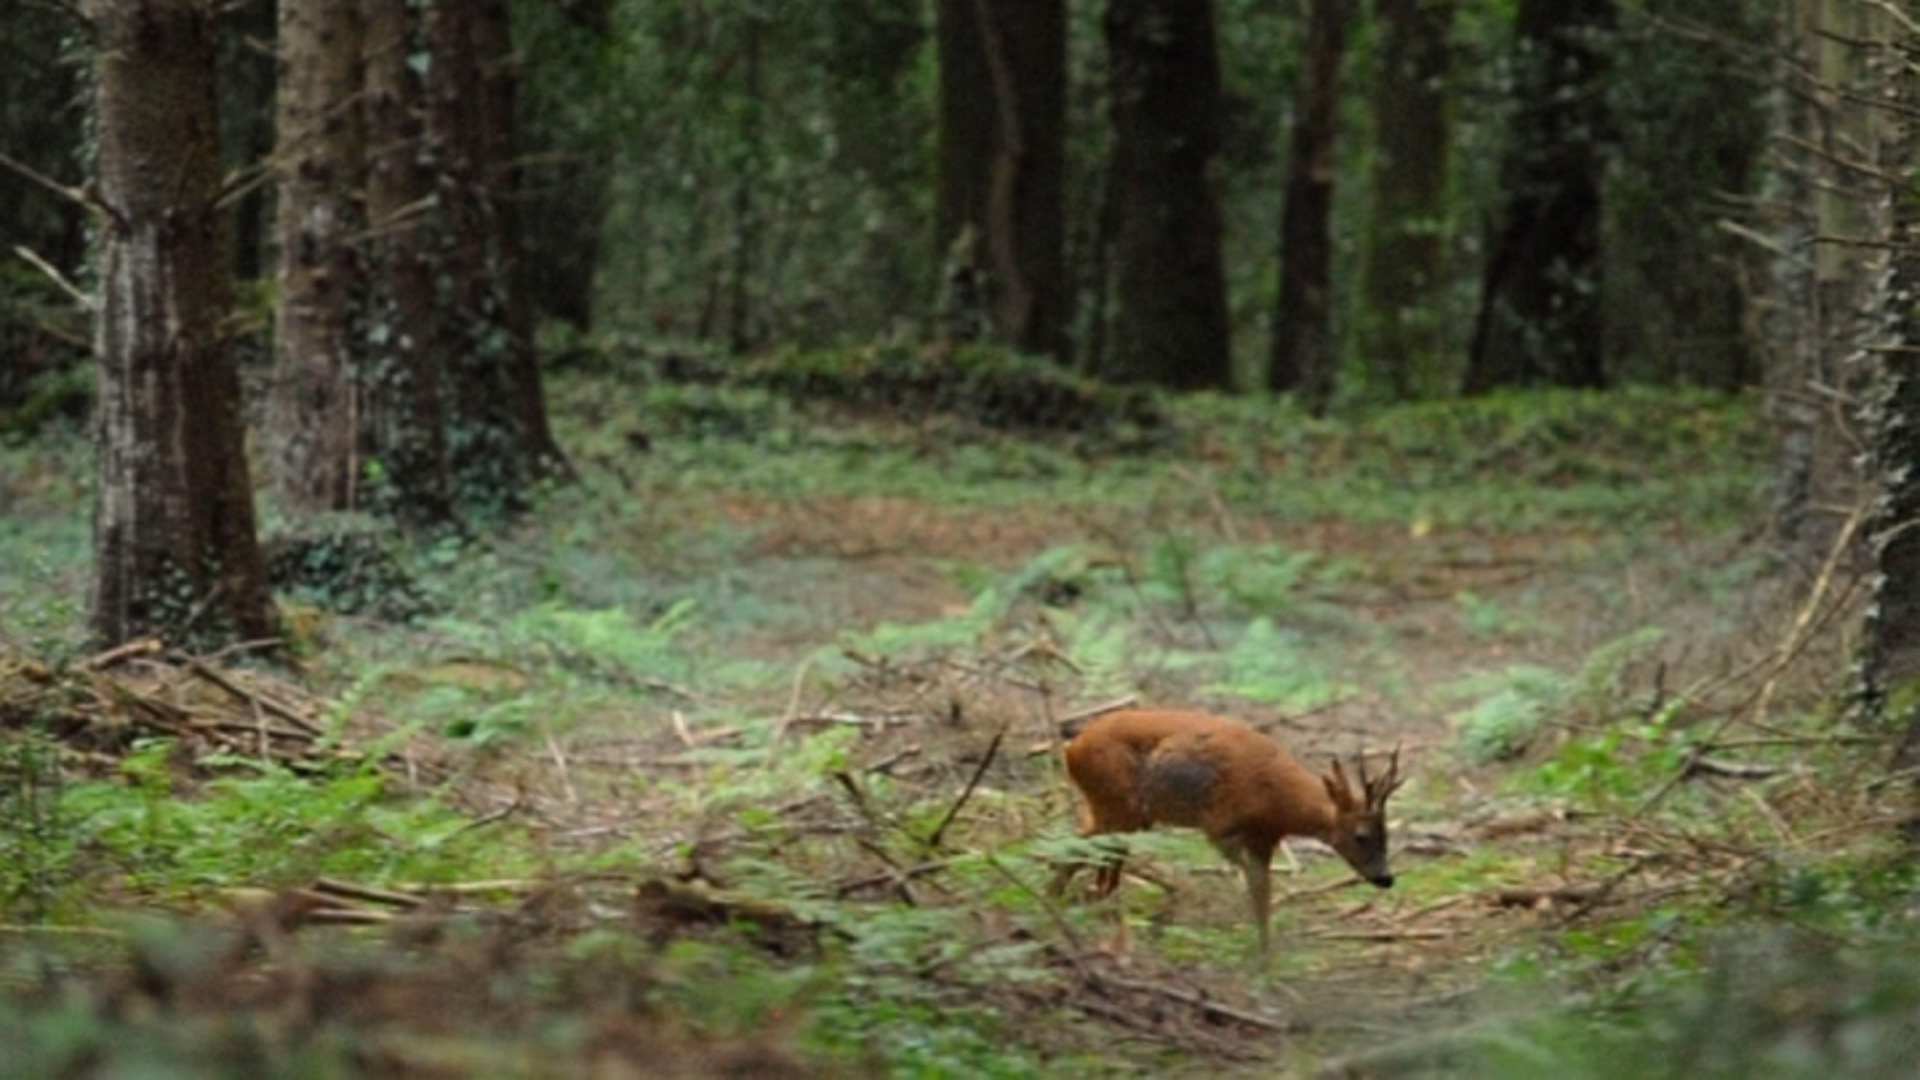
(1170, 328)
(175, 547)
(493, 448)
(404, 423)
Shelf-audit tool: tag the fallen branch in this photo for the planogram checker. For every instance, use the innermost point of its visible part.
(121, 653)
(1584, 894)
(1206, 1006)
(896, 877)
(1384, 936)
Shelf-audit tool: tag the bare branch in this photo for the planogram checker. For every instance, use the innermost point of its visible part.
(74, 292)
(71, 194)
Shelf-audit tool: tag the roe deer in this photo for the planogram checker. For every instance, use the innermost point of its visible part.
(1142, 767)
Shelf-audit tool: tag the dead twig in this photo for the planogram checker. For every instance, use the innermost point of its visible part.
(986, 760)
(1069, 725)
(1701, 765)
(1813, 614)
(896, 876)
(348, 890)
(560, 768)
(793, 701)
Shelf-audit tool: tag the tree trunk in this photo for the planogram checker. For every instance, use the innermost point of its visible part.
(1003, 107)
(565, 185)
(1305, 353)
(742, 324)
(1402, 328)
(1795, 362)
(39, 87)
(474, 340)
(1539, 320)
(319, 157)
(1171, 323)
(493, 37)
(404, 424)
(1890, 662)
(246, 92)
(175, 549)
(1824, 183)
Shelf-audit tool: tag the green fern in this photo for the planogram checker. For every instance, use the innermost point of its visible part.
(1268, 665)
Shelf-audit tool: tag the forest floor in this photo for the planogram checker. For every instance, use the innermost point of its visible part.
(741, 756)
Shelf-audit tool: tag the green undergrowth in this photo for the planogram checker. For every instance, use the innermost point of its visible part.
(159, 831)
(1507, 460)
(650, 595)
(1807, 972)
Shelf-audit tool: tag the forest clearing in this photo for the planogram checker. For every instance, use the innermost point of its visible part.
(733, 761)
(551, 538)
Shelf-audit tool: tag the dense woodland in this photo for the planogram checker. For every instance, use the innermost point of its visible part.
(321, 321)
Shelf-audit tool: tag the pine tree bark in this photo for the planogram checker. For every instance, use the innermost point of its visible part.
(1003, 102)
(1305, 353)
(175, 547)
(1402, 328)
(1824, 186)
(320, 155)
(1171, 324)
(404, 423)
(1795, 362)
(1540, 317)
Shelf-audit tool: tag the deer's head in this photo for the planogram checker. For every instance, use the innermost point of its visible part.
(1359, 831)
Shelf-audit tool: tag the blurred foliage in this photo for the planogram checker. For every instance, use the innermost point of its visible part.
(780, 157)
(1784, 999)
